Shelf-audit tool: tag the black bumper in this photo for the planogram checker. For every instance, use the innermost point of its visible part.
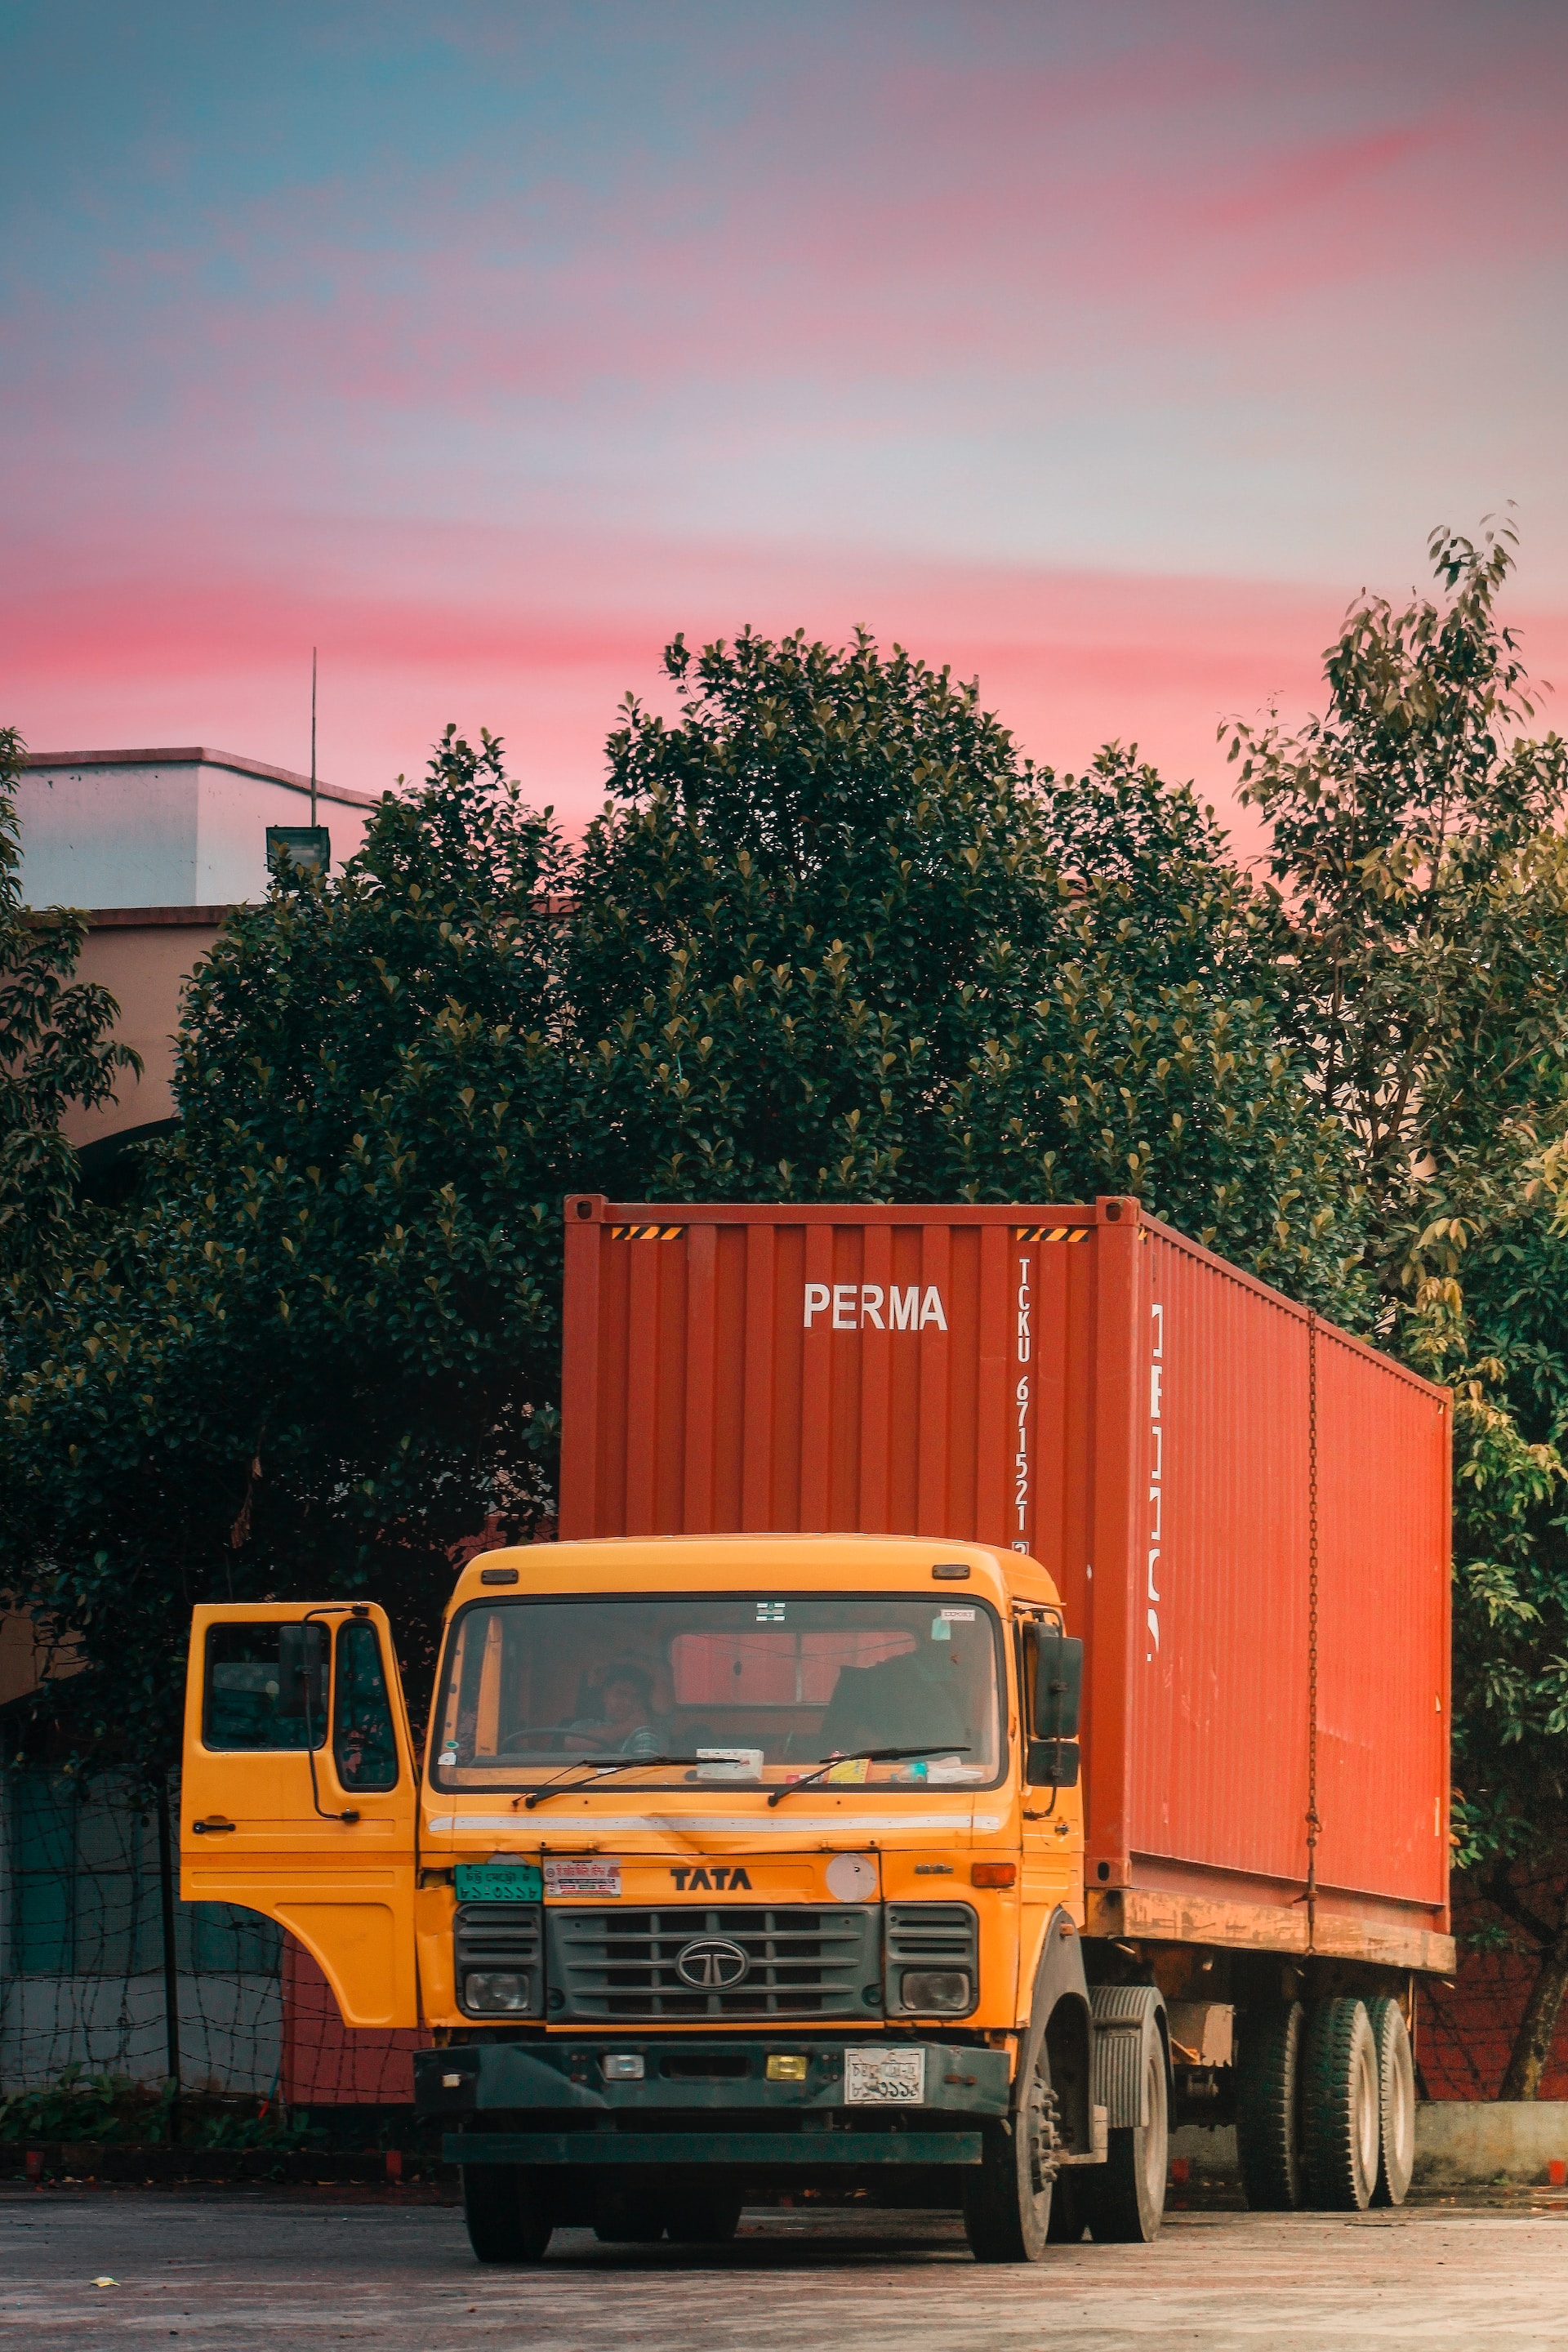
(753, 2151)
(550, 2103)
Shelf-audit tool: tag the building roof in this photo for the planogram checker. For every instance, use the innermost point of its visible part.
(197, 755)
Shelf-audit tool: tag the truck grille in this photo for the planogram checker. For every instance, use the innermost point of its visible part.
(929, 1935)
(932, 1935)
(499, 1937)
(798, 1962)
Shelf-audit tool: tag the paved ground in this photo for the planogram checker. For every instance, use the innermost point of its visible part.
(243, 2271)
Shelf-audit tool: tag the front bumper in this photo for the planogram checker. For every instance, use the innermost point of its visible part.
(548, 2103)
(753, 2151)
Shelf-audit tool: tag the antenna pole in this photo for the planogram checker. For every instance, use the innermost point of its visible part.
(312, 737)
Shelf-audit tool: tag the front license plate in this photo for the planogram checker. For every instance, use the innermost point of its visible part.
(884, 2078)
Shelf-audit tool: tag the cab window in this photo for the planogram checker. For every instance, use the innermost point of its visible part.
(265, 1686)
(365, 1748)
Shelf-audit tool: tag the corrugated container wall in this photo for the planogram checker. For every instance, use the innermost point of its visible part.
(1149, 1423)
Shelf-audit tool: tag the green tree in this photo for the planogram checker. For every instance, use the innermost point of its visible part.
(1421, 911)
(831, 939)
(1419, 884)
(318, 1350)
(837, 939)
(57, 1049)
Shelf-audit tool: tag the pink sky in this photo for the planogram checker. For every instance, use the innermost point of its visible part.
(1104, 352)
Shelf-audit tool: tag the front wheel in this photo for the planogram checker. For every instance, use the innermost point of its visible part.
(1007, 2197)
(508, 2218)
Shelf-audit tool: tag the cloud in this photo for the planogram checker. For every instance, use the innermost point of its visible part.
(539, 638)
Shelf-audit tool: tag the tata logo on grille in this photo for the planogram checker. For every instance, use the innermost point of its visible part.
(711, 1963)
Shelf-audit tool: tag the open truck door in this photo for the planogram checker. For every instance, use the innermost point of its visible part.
(299, 1797)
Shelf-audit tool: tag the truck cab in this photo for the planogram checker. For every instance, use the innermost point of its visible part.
(734, 1868)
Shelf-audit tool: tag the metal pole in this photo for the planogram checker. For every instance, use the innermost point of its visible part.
(170, 1972)
(312, 736)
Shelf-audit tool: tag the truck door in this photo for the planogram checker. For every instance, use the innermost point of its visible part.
(297, 1796)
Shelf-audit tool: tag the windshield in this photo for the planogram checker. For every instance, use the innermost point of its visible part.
(756, 1690)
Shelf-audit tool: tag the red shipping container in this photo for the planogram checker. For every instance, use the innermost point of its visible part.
(1147, 1422)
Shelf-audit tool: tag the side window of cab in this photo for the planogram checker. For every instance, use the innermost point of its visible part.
(364, 1745)
(265, 1686)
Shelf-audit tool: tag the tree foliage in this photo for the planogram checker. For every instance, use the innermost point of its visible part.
(837, 939)
(831, 939)
(316, 1351)
(1421, 908)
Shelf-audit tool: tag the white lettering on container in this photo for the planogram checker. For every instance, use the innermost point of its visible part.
(1021, 1458)
(859, 1307)
(1156, 1465)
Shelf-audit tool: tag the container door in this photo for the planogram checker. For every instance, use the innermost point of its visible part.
(298, 1792)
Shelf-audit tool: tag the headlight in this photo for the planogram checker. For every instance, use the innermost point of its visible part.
(935, 1990)
(495, 1988)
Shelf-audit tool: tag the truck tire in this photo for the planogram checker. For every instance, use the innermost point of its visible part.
(1123, 2200)
(709, 2217)
(1268, 2109)
(1008, 2196)
(506, 2215)
(1339, 2107)
(1396, 2101)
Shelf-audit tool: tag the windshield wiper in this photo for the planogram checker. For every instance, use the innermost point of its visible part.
(861, 1756)
(603, 1765)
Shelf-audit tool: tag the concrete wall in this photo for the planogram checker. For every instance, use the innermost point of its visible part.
(1456, 2141)
(143, 956)
(184, 828)
(231, 2031)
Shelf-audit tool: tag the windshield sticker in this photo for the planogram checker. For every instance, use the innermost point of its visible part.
(729, 1763)
(959, 1616)
(582, 1873)
(770, 1613)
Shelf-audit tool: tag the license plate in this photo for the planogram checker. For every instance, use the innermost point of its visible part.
(584, 1874)
(884, 2078)
(495, 1882)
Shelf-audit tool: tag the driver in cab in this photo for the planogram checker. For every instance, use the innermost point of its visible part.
(625, 1724)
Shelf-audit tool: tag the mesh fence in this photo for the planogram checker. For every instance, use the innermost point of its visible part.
(87, 1967)
(85, 1977)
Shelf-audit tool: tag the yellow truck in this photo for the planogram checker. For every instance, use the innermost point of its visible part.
(735, 1868)
(742, 1867)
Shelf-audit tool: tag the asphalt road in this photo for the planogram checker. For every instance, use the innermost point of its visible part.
(230, 2271)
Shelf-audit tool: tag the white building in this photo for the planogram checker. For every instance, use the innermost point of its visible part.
(176, 828)
(158, 847)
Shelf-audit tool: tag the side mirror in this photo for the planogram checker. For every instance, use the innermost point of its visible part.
(1058, 1685)
(1051, 1764)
